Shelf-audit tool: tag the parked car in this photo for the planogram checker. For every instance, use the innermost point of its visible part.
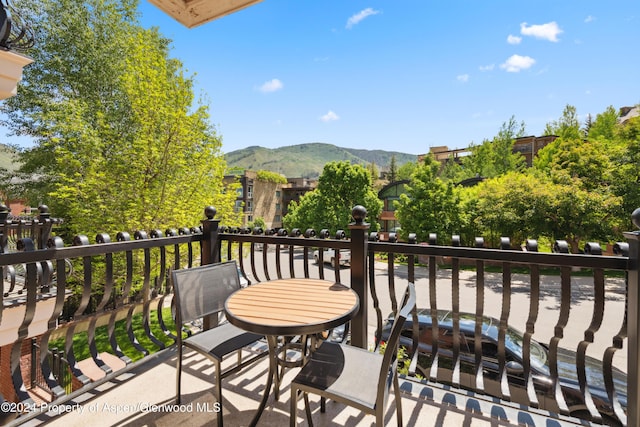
(329, 256)
(514, 340)
(243, 280)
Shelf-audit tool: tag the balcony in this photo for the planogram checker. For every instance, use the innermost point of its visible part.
(123, 402)
(583, 302)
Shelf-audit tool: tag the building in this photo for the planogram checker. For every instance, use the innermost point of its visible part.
(443, 154)
(627, 113)
(295, 189)
(258, 198)
(388, 194)
(528, 146)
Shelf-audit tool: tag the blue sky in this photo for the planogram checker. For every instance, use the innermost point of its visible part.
(405, 75)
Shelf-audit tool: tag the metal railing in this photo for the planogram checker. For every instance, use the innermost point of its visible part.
(14, 33)
(127, 279)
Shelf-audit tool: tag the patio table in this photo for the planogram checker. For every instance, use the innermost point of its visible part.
(289, 308)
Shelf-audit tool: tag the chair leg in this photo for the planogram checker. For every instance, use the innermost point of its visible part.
(396, 388)
(307, 409)
(219, 392)
(278, 380)
(293, 412)
(178, 375)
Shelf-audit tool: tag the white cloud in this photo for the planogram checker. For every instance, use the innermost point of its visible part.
(516, 63)
(514, 39)
(489, 67)
(547, 31)
(543, 70)
(355, 19)
(329, 117)
(482, 114)
(273, 85)
(463, 78)
(589, 19)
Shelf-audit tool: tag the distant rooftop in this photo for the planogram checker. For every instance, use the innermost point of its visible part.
(627, 113)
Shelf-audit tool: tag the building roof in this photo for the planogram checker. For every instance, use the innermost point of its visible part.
(627, 113)
(192, 13)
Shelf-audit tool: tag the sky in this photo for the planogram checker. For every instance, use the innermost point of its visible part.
(405, 75)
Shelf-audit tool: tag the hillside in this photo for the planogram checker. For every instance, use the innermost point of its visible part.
(307, 160)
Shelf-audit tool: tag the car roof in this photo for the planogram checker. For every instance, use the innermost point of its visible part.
(467, 321)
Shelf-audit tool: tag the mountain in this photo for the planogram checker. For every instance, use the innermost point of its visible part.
(308, 160)
(303, 160)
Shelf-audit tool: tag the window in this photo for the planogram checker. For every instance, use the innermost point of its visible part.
(391, 206)
(278, 208)
(250, 192)
(445, 340)
(278, 218)
(238, 206)
(278, 194)
(250, 218)
(240, 192)
(249, 206)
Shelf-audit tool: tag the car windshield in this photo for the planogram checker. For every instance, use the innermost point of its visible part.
(514, 340)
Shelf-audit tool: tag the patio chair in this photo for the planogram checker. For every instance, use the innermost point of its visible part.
(200, 292)
(352, 375)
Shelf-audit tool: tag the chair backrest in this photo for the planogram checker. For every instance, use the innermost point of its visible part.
(201, 291)
(390, 358)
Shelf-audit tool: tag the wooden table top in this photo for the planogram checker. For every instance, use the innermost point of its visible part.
(291, 307)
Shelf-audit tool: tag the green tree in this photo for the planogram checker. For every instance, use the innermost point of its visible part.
(513, 205)
(604, 126)
(626, 174)
(522, 206)
(586, 161)
(119, 142)
(586, 205)
(579, 215)
(405, 171)
(588, 124)
(503, 158)
(273, 177)
(341, 186)
(373, 170)
(452, 170)
(493, 157)
(393, 169)
(429, 205)
(567, 126)
(258, 222)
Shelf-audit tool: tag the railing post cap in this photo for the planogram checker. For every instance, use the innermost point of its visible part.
(635, 218)
(210, 212)
(359, 213)
(4, 213)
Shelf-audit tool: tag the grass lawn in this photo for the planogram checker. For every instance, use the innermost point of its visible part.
(81, 345)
